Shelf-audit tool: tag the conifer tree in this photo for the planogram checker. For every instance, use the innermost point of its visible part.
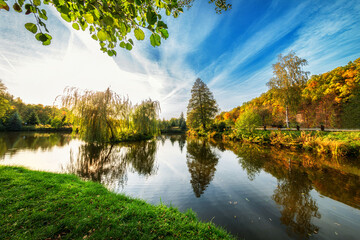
(202, 106)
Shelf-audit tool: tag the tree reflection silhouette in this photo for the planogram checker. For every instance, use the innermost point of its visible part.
(12, 142)
(201, 161)
(108, 164)
(141, 156)
(292, 194)
(298, 207)
(99, 163)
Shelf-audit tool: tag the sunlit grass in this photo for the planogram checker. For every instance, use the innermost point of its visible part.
(39, 205)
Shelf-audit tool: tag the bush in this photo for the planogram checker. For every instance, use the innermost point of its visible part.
(248, 121)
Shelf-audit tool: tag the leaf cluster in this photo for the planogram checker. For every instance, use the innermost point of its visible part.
(109, 22)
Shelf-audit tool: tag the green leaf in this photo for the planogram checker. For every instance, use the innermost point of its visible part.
(128, 46)
(31, 27)
(47, 42)
(131, 41)
(89, 18)
(138, 2)
(37, 2)
(164, 33)
(155, 40)
(94, 37)
(108, 20)
(161, 24)
(43, 37)
(102, 35)
(17, 7)
(139, 34)
(76, 26)
(122, 44)
(3, 5)
(168, 12)
(151, 16)
(65, 17)
(123, 29)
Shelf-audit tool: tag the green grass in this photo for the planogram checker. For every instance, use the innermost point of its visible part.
(40, 205)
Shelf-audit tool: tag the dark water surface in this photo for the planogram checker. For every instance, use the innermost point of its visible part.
(252, 191)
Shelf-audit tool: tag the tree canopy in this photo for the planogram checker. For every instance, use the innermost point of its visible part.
(202, 106)
(109, 22)
(331, 99)
(288, 81)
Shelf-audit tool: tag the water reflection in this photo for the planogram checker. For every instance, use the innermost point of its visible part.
(252, 182)
(201, 161)
(297, 206)
(108, 164)
(297, 174)
(11, 143)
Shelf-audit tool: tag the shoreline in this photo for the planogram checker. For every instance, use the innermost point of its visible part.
(41, 205)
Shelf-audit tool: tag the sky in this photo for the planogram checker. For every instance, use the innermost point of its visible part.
(232, 52)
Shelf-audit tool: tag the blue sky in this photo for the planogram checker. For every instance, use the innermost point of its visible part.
(233, 52)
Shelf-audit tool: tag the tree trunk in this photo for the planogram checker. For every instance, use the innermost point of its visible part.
(287, 116)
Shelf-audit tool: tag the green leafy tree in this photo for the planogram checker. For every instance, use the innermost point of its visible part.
(32, 119)
(4, 103)
(145, 117)
(97, 114)
(202, 106)
(56, 123)
(248, 121)
(288, 81)
(14, 123)
(182, 122)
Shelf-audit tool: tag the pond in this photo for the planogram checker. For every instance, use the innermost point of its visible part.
(252, 191)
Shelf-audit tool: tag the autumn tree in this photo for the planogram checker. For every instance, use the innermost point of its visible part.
(288, 81)
(202, 106)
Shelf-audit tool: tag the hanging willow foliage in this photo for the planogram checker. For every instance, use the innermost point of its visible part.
(107, 117)
(145, 117)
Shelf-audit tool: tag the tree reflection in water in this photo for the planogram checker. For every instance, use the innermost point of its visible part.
(108, 164)
(201, 161)
(292, 194)
(298, 207)
(141, 156)
(12, 142)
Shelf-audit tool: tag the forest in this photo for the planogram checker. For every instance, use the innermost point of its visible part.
(330, 99)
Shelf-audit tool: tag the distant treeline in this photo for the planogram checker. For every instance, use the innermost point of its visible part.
(16, 115)
(331, 99)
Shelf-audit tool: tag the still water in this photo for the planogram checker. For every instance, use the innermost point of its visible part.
(252, 191)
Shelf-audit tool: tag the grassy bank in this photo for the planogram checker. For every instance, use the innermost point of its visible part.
(336, 144)
(40, 205)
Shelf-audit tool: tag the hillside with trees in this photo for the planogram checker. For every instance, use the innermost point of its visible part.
(330, 99)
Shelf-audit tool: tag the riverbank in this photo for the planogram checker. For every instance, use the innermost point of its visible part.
(334, 144)
(40, 205)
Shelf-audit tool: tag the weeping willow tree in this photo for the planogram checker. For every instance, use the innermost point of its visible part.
(108, 117)
(98, 115)
(145, 117)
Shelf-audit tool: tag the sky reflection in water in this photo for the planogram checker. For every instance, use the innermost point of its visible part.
(252, 191)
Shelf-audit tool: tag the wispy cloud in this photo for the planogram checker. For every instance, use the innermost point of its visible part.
(233, 58)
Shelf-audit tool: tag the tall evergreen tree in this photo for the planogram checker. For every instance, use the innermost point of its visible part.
(202, 106)
(33, 118)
